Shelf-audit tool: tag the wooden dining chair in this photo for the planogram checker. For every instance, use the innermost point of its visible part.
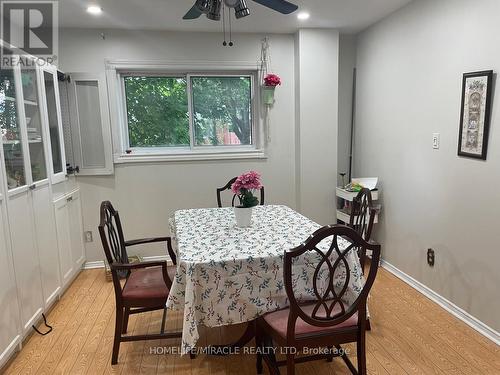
(228, 187)
(147, 284)
(325, 322)
(362, 218)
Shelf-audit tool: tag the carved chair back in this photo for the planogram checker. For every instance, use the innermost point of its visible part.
(331, 245)
(113, 242)
(363, 214)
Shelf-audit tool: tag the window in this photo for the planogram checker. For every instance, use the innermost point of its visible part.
(222, 110)
(157, 111)
(172, 114)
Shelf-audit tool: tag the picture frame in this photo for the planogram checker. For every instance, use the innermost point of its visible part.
(475, 114)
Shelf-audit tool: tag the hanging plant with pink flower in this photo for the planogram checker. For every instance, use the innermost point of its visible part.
(272, 80)
(244, 188)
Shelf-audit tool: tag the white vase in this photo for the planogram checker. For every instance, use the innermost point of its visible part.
(243, 216)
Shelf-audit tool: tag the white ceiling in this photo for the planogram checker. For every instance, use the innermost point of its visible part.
(345, 15)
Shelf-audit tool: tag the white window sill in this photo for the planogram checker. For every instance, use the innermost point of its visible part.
(188, 156)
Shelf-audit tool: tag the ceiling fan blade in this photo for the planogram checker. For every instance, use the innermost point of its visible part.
(281, 6)
(192, 14)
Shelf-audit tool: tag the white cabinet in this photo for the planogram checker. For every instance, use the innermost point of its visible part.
(69, 235)
(46, 242)
(76, 229)
(26, 262)
(25, 155)
(9, 311)
(84, 103)
(52, 114)
(63, 240)
(41, 248)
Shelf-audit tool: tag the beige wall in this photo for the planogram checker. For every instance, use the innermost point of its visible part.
(148, 194)
(316, 75)
(410, 70)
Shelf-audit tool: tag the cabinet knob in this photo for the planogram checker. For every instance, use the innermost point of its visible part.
(69, 199)
(32, 187)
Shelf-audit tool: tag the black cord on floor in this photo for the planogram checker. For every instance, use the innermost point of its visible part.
(46, 325)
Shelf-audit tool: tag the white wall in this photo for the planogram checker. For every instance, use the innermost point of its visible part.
(316, 74)
(148, 194)
(410, 70)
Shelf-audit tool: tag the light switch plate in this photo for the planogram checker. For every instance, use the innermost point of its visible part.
(435, 141)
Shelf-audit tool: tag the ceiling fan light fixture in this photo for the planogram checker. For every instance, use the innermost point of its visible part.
(241, 10)
(214, 10)
(203, 5)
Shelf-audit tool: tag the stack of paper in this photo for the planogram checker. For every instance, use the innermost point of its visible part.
(367, 182)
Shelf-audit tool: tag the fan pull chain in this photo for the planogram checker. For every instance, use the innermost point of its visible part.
(230, 32)
(224, 24)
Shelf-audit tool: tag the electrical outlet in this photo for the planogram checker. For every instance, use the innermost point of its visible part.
(431, 257)
(88, 236)
(435, 141)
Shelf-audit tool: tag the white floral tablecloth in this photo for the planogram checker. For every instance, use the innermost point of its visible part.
(228, 275)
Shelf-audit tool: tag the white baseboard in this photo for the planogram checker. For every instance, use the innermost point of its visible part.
(100, 263)
(156, 258)
(8, 352)
(92, 265)
(453, 309)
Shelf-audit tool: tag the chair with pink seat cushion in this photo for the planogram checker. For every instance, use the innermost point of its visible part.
(147, 284)
(324, 323)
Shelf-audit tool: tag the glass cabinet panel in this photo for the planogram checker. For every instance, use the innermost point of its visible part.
(33, 124)
(11, 131)
(50, 93)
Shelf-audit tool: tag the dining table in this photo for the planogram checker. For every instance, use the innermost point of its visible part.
(228, 275)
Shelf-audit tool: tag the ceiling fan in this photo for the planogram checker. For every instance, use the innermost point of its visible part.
(212, 8)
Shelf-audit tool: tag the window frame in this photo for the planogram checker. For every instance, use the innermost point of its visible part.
(116, 71)
(61, 176)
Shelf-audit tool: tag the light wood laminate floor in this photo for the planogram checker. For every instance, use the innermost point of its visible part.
(410, 335)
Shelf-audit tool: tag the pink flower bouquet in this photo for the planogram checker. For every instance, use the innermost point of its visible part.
(244, 186)
(272, 80)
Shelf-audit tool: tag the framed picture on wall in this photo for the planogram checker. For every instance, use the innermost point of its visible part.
(475, 114)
